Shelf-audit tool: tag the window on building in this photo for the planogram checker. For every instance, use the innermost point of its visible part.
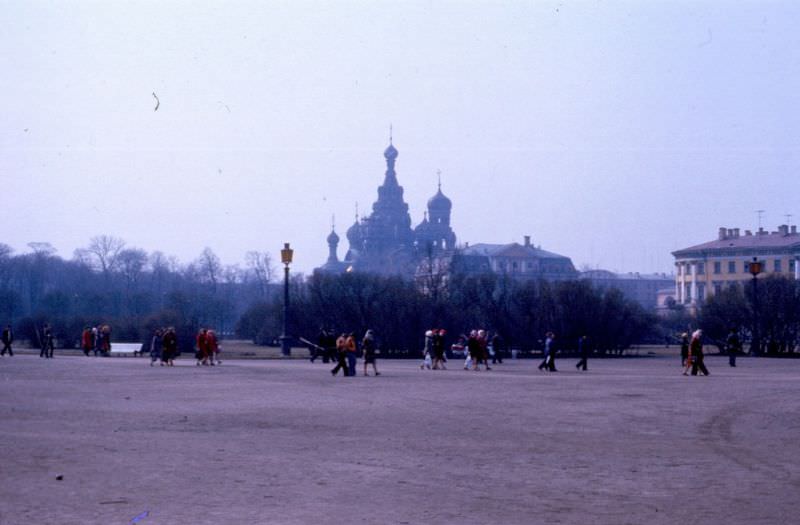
(731, 266)
(776, 266)
(701, 292)
(701, 268)
(514, 266)
(746, 266)
(791, 265)
(687, 293)
(717, 287)
(717, 267)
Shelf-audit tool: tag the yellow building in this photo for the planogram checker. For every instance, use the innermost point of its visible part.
(707, 268)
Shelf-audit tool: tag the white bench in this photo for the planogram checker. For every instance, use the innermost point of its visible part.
(126, 348)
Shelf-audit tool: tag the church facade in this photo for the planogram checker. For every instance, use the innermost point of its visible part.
(384, 241)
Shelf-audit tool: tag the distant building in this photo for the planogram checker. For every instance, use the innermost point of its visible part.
(640, 287)
(521, 261)
(707, 268)
(384, 242)
(665, 300)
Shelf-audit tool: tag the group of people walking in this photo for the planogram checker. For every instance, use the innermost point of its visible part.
(207, 348)
(96, 339)
(433, 357)
(692, 353)
(346, 353)
(164, 346)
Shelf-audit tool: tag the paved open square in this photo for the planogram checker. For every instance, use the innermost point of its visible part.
(114, 441)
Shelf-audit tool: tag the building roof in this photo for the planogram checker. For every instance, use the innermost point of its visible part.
(513, 249)
(605, 274)
(756, 242)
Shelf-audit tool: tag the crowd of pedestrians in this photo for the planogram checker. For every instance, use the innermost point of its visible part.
(346, 349)
(96, 339)
(207, 348)
(164, 347)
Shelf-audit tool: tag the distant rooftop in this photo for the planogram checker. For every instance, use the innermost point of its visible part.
(605, 274)
(509, 250)
(728, 239)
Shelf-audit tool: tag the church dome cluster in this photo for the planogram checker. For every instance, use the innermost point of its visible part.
(383, 241)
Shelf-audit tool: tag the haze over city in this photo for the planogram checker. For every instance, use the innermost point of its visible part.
(611, 132)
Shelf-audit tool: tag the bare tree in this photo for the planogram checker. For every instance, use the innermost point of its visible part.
(102, 253)
(42, 249)
(131, 263)
(5, 264)
(231, 274)
(260, 264)
(209, 267)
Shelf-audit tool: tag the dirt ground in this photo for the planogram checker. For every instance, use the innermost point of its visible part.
(281, 441)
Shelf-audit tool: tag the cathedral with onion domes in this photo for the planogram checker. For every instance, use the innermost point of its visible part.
(384, 241)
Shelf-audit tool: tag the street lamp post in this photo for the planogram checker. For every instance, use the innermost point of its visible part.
(286, 339)
(755, 269)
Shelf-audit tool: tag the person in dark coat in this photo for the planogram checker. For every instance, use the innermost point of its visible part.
(156, 347)
(437, 347)
(369, 345)
(48, 344)
(314, 350)
(734, 346)
(684, 349)
(170, 347)
(8, 338)
(497, 349)
(583, 351)
(341, 356)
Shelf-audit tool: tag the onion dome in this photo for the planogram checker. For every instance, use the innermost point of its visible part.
(333, 238)
(424, 226)
(354, 234)
(391, 152)
(439, 201)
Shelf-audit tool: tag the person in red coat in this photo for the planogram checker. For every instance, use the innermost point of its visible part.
(202, 348)
(213, 347)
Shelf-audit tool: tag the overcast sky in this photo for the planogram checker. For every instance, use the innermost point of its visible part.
(611, 132)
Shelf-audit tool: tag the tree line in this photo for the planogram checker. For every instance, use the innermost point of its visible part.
(109, 282)
(401, 310)
(771, 310)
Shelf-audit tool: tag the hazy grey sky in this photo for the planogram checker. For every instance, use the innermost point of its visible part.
(611, 132)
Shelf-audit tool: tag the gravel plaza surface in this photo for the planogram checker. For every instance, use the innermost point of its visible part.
(114, 441)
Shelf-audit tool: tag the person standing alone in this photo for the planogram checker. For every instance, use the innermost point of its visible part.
(8, 338)
(369, 346)
(47, 343)
(734, 345)
(583, 351)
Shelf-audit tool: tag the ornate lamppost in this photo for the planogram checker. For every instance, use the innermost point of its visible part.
(755, 268)
(286, 259)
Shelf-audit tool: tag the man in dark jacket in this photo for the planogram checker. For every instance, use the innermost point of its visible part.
(8, 338)
(734, 345)
(583, 351)
(497, 349)
(47, 343)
